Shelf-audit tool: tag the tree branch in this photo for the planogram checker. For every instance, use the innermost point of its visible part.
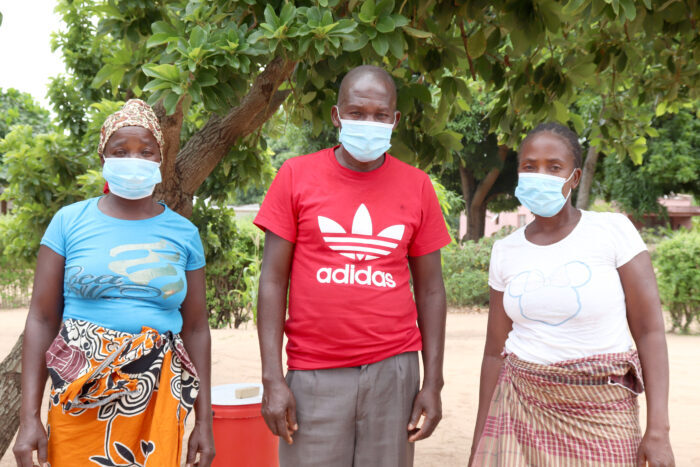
(466, 49)
(212, 142)
(205, 149)
(487, 183)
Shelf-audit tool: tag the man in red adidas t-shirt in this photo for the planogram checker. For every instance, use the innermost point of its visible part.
(346, 228)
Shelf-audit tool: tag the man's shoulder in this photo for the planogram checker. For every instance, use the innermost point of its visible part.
(305, 160)
(406, 170)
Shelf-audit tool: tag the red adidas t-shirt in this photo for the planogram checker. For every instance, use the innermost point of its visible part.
(350, 302)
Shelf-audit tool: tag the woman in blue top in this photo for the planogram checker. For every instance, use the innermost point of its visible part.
(118, 320)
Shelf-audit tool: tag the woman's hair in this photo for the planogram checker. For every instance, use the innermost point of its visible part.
(563, 132)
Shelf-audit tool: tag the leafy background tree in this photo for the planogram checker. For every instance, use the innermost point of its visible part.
(19, 108)
(671, 165)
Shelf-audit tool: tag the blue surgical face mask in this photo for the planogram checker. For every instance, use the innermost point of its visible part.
(366, 141)
(541, 193)
(131, 177)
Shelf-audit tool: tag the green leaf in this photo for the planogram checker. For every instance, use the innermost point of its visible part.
(550, 17)
(156, 84)
(396, 44)
(103, 75)
(270, 16)
(355, 43)
(651, 131)
(615, 6)
(161, 27)
(170, 103)
(629, 9)
(287, 13)
(207, 78)
(198, 37)
(384, 7)
(647, 4)
(385, 24)
(0, 18)
(574, 7)
(583, 70)
(367, 11)
(380, 44)
(621, 62)
(637, 149)
(416, 32)
(660, 108)
(160, 38)
(578, 123)
(163, 71)
(420, 92)
(520, 41)
(450, 140)
(308, 97)
(399, 20)
(476, 46)
(561, 112)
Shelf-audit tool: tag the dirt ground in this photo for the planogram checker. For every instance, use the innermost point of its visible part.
(235, 359)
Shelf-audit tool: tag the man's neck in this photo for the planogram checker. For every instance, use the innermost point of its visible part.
(345, 159)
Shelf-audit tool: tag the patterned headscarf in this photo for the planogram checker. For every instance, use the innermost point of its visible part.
(134, 113)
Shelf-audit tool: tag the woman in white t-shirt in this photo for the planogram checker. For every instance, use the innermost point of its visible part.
(560, 376)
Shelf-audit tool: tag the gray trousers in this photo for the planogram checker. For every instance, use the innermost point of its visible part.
(353, 417)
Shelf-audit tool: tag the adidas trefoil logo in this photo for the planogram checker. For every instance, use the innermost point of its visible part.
(360, 244)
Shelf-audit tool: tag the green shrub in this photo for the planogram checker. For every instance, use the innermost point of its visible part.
(15, 283)
(466, 272)
(233, 251)
(678, 275)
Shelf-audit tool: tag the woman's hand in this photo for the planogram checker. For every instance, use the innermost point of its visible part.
(31, 437)
(201, 441)
(655, 450)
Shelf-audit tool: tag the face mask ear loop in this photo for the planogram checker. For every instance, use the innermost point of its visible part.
(569, 178)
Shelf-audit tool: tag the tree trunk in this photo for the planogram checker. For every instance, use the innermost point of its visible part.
(10, 395)
(183, 171)
(475, 196)
(584, 189)
(467, 181)
(476, 221)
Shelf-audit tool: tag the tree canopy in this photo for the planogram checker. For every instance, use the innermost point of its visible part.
(219, 70)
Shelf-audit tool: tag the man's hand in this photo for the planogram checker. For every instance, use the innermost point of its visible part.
(32, 437)
(201, 441)
(279, 409)
(428, 404)
(655, 450)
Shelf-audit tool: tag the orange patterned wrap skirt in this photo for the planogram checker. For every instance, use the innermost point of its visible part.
(117, 398)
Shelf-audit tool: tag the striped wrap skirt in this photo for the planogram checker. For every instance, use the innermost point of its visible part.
(579, 412)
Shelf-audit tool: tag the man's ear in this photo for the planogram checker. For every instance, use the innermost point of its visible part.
(335, 116)
(397, 117)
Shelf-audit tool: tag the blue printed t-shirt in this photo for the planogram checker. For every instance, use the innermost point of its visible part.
(124, 274)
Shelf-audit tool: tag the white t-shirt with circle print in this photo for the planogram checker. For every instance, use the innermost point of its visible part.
(565, 299)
